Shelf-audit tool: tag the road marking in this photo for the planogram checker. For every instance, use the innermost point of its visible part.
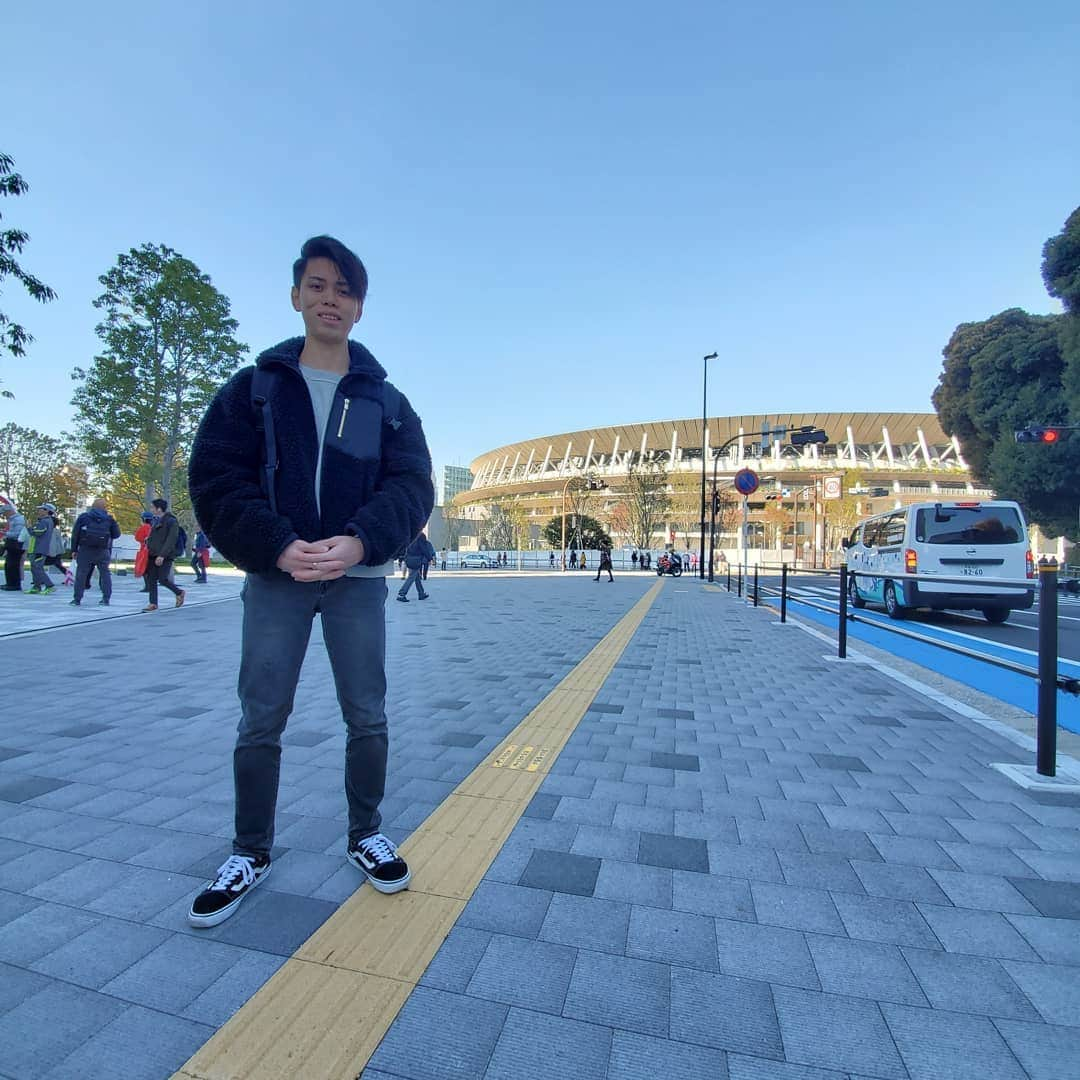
(324, 1012)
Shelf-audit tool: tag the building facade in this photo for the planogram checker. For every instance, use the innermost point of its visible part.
(880, 460)
(456, 479)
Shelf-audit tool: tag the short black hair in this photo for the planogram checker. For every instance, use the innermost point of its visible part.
(348, 262)
(161, 504)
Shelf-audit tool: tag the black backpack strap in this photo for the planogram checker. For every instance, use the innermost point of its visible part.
(262, 386)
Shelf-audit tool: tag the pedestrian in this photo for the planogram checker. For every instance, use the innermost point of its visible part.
(57, 547)
(142, 556)
(200, 555)
(605, 563)
(14, 547)
(442, 560)
(416, 555)
(573, 559)
(633, 559)
(551, 561)
(41, 534)
(91, 548)
(161, 550)
(318, 535)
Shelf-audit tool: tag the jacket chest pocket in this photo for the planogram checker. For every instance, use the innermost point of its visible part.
(355, 428)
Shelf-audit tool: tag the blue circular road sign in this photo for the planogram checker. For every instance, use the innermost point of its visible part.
(746, 481)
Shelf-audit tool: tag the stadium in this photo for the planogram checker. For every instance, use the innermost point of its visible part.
(807, 497)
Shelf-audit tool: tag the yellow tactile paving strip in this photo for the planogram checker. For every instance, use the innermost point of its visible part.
(327, 1008)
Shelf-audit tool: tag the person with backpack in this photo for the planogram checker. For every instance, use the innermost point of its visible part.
(605, 563)
(417, 555)
(200, 556)
(91, 548)
(14, 549)
(41, 534)
(309, 472)
(57, 547)
(161, 548)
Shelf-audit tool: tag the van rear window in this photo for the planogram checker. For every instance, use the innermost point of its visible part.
(969, 525)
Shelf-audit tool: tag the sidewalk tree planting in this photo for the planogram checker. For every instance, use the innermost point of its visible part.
(647, 500)
(582, 531)
(14, 337)
(1013, 369)
(168, 344)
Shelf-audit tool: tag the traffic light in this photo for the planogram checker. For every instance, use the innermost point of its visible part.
(715, 502)
(805, 435)
(1040, 433)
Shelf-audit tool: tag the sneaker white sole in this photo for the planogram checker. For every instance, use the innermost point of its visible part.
(382, 886)
(205, 921)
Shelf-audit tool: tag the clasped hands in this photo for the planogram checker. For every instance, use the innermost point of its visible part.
(321, 560)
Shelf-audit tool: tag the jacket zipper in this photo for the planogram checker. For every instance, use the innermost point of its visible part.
(344, 413)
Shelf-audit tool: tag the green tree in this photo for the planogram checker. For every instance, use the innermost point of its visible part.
(582, 531)
(37, 468)
(1061, 274)
(168, 345)
(13, 337)
(999, 375)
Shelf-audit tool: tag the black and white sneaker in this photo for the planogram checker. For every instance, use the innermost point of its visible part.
(377, 857)
(236, 877)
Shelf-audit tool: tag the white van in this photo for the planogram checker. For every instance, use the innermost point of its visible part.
(980, 540)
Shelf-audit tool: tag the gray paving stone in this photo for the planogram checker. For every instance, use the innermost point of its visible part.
(721, 897)
(1061, 866)
(35, 866)
(1055, 940)
(641, 1057)
(899, 882)
(819, 872)
(845, 762)
(17, 985)
(926, 826)
(1054, 989)
(895, 922)
(685, 762)
(978, 933)
(864, 969)
(1046, 1052)
(506, 909)
(936, 1044)
(559, 871)
(225, 995)
(23, 788)
(39, 930)
(523, 973)
(986, 891)
(552, 1046)
(605, 843)
(100, 953)
(587, 923)
(440, 1036)
(675, 937)
(618, 991)
(796, 908)
(453, 965)
(969, 984)
(778, 835)
(69, 1014)
(724, 1012)
(542, 806)
(674, 852)
(913, 851)
(163, 1044)
(979, 859)
(752, 1068)
(634, 884)
(830, 1031)
(770, 953)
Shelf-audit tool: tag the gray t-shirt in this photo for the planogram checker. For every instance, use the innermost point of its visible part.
(322, 385)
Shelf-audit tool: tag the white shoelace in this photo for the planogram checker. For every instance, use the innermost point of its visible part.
(234, 870)
(378, 848)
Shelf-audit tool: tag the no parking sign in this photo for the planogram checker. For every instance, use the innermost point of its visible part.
(746, 481)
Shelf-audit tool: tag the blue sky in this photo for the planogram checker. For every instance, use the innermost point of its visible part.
(562, 206)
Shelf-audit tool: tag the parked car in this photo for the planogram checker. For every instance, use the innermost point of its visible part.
(477, 560)
(985, 542)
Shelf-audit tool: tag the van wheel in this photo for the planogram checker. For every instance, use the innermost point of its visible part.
(892, 605)
(996, 615)
(853, 594)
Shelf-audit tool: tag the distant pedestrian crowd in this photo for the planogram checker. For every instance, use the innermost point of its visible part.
(41, 542)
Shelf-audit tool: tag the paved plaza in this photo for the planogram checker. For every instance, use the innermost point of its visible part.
(748, 861)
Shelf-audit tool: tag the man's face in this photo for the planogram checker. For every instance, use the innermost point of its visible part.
(157, 511)
(326, 302)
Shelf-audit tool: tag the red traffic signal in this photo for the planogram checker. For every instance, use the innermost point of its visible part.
(1040, 434)
(1051, 435)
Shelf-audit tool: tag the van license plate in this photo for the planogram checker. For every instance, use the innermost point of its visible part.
(971, 571)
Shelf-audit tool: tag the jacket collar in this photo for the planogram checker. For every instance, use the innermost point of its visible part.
(361, 362)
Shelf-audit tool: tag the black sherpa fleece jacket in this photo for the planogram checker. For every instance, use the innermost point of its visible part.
(376, 479)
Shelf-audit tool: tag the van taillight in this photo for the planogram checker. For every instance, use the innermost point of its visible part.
(911, 562)
(1030, 563)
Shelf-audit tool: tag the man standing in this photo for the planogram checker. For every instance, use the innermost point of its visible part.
(41, 534)
(315, 517)
(200, 555)
(417, 555)
(161, 550)
(13, 548)
(91, 547)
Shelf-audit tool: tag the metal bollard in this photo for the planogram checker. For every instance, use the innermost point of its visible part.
(841, 635)
(755, 584)
(783, 593)
(1046, 729)
(729, 578)
(739, 581)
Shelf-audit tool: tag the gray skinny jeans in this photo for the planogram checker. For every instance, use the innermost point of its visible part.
(278, 613)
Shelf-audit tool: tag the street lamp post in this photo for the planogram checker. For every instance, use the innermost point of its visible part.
(704, 403)
(591, 484)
